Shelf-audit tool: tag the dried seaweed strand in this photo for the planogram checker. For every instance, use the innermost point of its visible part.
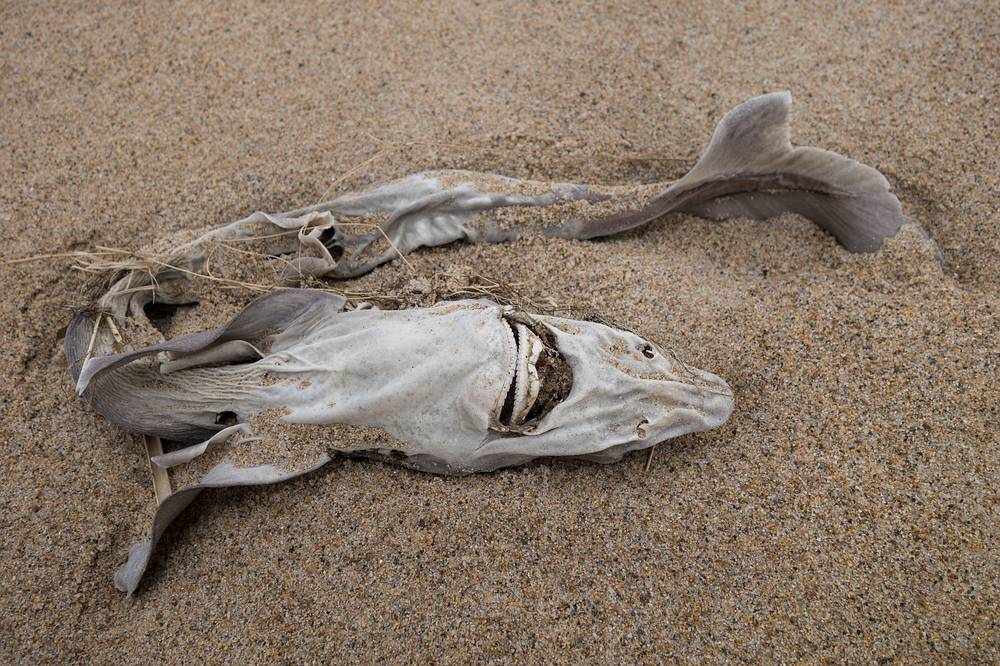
(649, 459)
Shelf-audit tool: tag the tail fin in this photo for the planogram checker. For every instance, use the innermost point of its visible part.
(181, 406)
(750, 169)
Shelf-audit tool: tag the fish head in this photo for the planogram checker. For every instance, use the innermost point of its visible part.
(621, 392)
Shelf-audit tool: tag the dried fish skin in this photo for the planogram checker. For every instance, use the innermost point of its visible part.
(128, 576)
(453, 381)
(749, 169)
(462, 387)
(141, 398)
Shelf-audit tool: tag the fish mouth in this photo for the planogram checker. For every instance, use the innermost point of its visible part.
(542, 377)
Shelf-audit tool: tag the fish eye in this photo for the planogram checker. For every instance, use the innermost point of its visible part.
(640, 430)
(647, 351)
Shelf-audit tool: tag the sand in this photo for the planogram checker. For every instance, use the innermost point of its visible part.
(848, 510)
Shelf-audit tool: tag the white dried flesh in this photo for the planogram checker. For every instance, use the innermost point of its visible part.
(526, 381)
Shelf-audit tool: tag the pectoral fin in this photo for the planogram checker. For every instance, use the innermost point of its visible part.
(269, 313)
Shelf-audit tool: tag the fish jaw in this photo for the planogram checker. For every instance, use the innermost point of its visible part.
(627, 394)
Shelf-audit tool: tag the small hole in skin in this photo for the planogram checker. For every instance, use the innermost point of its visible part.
(329, 238)
(226, 418)
(647, 351)
(640, 430)
(160, 312)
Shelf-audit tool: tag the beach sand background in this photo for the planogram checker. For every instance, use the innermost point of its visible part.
(847, 510)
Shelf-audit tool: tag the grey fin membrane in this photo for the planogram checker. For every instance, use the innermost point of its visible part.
(129, 574)
(750, 169)
(144, 401)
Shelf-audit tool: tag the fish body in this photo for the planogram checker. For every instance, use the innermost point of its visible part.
(465, 386)
(461, 387)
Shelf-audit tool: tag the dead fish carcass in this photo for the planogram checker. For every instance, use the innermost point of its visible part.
(470, 385)
(465, 386)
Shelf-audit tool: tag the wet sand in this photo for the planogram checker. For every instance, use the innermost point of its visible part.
(848, 509)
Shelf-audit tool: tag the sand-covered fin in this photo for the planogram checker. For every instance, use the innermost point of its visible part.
(750, 169)
(233, 351)
(272, 312)
(189, 453)
(176, 405)
(127, 576)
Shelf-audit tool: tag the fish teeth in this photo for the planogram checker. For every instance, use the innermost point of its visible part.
(527, 382)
